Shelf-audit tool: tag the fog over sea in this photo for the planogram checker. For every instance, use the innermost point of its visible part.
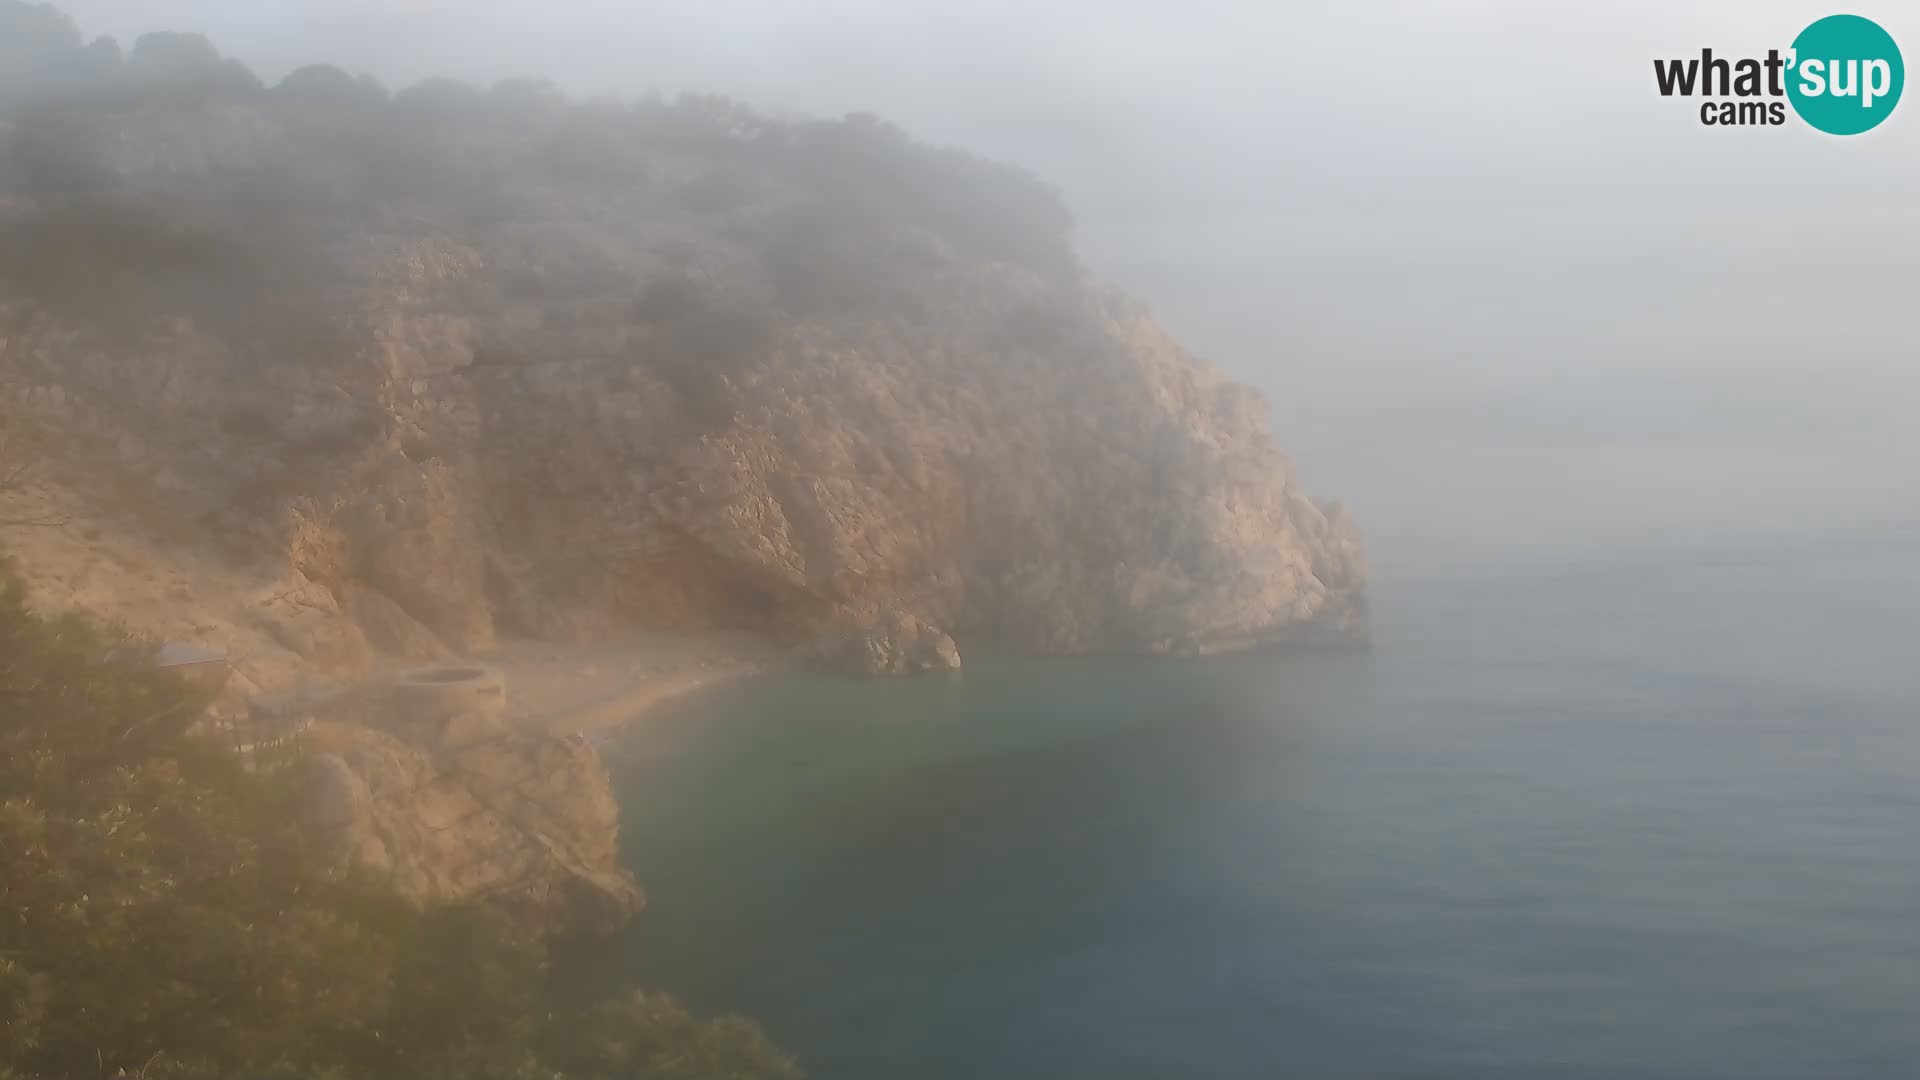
(1633, 817)
(1629, 785)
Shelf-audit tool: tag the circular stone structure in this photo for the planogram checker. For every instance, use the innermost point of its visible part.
(429, 694)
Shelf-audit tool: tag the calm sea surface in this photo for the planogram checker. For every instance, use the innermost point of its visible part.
(1652, 818)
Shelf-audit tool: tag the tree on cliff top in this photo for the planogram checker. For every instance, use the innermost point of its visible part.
(167, 915)
(33, 34)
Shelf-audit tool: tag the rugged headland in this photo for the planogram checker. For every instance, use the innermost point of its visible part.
(327, 378)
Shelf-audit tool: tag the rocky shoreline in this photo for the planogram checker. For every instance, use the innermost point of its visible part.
(457, 786)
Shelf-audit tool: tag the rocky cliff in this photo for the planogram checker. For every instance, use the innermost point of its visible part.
(527, 823)
(409, 371)
(450, 805)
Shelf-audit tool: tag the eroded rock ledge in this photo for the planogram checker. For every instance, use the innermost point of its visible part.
(437, 794)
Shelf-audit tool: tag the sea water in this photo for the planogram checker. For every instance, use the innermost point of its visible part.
(1648, 817)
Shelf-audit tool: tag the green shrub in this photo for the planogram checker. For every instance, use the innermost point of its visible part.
(169, 916)
(705, 342)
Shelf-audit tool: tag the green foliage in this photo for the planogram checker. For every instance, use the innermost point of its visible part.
(328, 85)
(57, 150)
(34, 39)
(167, 915)
(109, 261)
(717, 191)
(652, 1035)
(440, 99)
(984, 209)
(705, 340)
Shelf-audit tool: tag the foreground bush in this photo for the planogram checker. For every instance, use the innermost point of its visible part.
(166, 915)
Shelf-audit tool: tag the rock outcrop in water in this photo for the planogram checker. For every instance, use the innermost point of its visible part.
(896, 643)
(401, 373)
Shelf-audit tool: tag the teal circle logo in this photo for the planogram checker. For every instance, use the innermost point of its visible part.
(1846, 75)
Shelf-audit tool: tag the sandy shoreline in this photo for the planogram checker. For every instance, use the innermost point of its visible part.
(567, 689)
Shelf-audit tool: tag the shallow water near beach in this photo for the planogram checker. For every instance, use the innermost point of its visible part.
(1652, 817)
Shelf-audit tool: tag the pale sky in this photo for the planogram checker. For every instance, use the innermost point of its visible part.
(1505, 299)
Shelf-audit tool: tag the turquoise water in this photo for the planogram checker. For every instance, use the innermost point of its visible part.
(1652, 818)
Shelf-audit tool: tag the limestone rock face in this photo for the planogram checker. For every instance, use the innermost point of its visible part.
(674, 366)
(388, 627)
(525, 822)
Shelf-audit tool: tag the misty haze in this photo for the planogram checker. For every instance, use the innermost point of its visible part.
(861, 540)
